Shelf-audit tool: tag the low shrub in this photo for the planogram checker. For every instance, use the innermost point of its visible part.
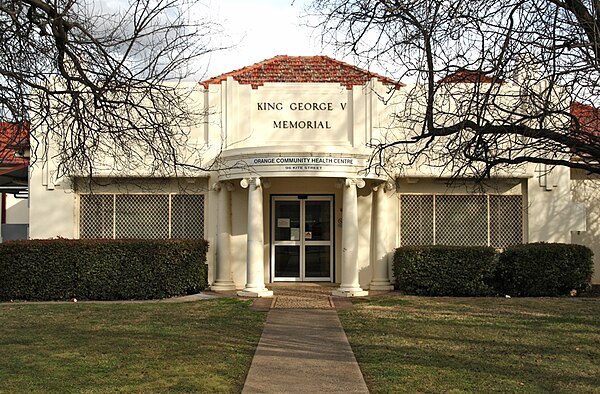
(544, 269)
(101, 269)
(444, 270)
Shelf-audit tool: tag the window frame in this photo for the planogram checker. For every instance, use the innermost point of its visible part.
(488, 218)
(170, 197)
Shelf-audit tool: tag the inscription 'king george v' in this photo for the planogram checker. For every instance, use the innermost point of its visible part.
(304, 107)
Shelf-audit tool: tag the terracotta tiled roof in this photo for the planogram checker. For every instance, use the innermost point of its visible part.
(301, 69)
(588, 117)
(467, 76)
(12, 136)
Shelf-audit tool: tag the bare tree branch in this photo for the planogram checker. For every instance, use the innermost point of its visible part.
(495, 82)
(103, 85)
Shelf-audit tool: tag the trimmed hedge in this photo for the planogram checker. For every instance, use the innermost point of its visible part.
(444, 270)
(59, 269)
(544, 269)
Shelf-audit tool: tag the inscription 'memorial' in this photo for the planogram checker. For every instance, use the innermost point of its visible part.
(301, 124)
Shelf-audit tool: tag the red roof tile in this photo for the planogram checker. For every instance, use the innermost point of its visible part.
(466, 76)
(301, 69)
(588, 117)
(12, 136)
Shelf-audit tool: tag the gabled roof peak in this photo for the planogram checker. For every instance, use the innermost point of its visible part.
(301, 69)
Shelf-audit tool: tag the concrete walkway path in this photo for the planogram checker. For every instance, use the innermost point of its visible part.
(304, 351)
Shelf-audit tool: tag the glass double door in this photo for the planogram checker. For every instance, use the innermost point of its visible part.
(302, 238)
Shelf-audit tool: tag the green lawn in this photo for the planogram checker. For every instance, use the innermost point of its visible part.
(203, 346)
(477, 345)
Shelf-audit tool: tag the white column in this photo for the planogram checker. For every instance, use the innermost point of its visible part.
(223, 281)
(350, 286)
(255, 276)
(380, 279)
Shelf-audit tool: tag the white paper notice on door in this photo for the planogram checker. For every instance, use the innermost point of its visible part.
(295, 234)
(283, 222)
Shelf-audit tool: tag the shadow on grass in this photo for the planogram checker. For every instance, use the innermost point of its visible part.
(439, 344)
(204, 346)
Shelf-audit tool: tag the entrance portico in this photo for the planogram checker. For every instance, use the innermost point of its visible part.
(300, 229)
(302, 125)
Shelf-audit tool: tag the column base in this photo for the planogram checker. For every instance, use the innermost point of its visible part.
(383, 285)
(255, 293)
(223, 286)
(353, 292)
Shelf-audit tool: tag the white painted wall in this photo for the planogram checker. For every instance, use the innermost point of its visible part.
(552, 215)
(52, 210)
(586, 190)
(16, 210)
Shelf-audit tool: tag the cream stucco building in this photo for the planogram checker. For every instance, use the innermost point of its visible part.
(290, 197)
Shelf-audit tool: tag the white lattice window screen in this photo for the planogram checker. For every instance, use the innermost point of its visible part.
(506, 220)
(461, 220)
(476, 220)
(187, 216)
(96, 215)
(416, 213)
(142, 216)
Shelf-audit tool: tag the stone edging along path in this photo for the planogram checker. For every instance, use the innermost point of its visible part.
(306, 296)
(301, 297)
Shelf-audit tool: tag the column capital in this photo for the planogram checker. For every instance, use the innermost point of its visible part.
(226, 185)
(386, 186)
(359, 182)
(246, 182)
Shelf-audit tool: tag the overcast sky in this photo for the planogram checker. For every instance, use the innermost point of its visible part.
(254, 29)
(261, 29)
